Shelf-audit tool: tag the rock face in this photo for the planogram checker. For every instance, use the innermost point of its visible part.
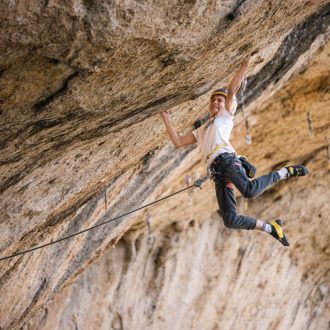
(81, 140)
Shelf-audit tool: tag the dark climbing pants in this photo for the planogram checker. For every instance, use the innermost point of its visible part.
(228, 172)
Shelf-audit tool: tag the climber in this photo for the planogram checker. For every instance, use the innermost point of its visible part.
(225, 167)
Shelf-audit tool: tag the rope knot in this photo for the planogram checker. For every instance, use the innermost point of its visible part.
(198, 183)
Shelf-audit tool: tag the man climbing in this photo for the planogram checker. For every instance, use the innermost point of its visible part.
(224, 166)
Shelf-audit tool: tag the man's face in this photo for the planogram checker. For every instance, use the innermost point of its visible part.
(217, 103)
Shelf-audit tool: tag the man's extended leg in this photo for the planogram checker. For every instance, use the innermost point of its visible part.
(232, 168)
(234, 171)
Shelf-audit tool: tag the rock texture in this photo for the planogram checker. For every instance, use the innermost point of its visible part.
(81, 141)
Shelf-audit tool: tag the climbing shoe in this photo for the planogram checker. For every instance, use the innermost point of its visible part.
(277, 232)
(296, 170)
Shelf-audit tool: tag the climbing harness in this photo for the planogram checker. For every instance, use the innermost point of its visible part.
(198, 183)
(215, 150)
(249, 169)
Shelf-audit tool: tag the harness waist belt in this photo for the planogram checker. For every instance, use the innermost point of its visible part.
(216, 149)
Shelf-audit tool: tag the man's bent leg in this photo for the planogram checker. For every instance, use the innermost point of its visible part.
(234, 171)
(227, 208)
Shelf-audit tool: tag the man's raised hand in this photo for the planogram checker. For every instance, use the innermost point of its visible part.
(165, 115)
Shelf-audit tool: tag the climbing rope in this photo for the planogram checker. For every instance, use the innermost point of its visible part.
(198, 183)
(248, 138)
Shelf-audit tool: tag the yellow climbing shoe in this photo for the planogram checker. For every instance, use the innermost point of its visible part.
(296, 170)
(277, 231)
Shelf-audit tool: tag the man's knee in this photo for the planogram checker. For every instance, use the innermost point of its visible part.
(249, 191)
(248, 194)
(229, 219)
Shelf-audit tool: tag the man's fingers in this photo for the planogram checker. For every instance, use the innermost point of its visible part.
(165, 115)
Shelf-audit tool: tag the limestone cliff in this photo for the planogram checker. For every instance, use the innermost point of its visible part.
(82, 85)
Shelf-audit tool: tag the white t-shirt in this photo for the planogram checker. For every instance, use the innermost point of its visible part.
(215, 132)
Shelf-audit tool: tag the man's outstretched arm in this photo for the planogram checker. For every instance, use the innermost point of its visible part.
(235, 84)
(178, 141)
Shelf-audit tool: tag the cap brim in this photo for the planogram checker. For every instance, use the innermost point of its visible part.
(219, 93)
